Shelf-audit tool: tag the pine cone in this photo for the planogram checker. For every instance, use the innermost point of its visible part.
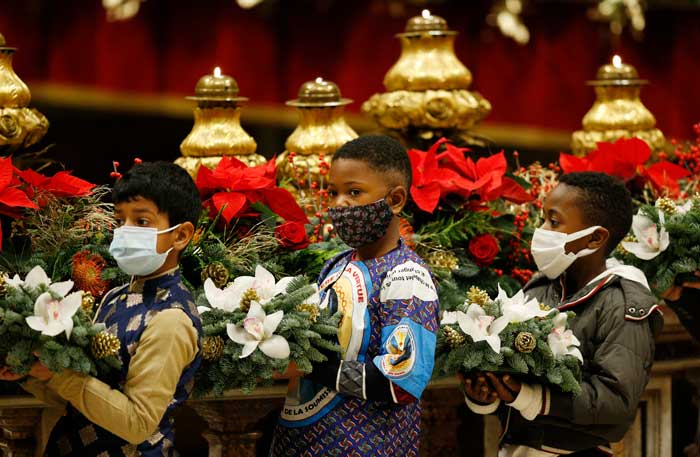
(442, 259)
(248, 296)
(104, 345)
(628, 238)
(217, 272)
(525, 342)
(88, 303)
(212, 348)
(666, 205)
(311, 309)
(3, 283)
(453, 337)
(478, 296)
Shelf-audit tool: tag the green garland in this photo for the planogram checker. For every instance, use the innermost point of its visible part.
(20, 345)
(524, 350)
(311, 333)
(681, 258)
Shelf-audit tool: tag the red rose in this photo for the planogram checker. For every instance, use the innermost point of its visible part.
(484, 249)
(292, 235)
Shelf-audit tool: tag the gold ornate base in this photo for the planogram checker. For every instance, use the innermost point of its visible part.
(192, 164)
(583, 142)
(21, 128)
(430, 109)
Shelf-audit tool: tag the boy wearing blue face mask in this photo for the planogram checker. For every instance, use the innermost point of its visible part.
(585, 217)
(156, 207)
(366, 402)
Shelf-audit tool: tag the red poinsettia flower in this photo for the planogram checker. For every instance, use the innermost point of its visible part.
(452, 172)
(232, 187)
(626, 159)
(62, 184)
(11, 196)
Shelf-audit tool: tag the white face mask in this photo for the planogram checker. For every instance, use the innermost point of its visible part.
(135, 249)
(549, 251)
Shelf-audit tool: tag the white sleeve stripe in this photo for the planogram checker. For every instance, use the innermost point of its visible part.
(393, 394)
(337, 377)
(364, 383)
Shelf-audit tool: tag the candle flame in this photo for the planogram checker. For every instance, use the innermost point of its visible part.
(617, 61)
(426, 14)
(319, 80)
(217, 72)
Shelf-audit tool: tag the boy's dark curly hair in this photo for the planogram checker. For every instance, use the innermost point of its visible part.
(382, 153)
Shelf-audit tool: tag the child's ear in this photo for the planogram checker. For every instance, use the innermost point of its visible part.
(397, 199)
(599, 238)
(183, 235)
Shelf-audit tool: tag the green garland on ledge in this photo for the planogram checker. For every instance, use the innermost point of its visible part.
(311, 333)
(664, 242)
(89, 349)
(519, 338)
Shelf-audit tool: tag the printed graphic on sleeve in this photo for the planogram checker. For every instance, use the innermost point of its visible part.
(400, 355)
(407, 281)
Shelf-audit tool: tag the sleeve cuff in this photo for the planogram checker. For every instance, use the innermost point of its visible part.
(482, 409)
(529, 401)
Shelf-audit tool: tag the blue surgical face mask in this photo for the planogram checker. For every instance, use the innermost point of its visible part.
(135, 249)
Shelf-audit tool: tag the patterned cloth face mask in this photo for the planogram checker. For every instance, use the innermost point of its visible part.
(361, 225)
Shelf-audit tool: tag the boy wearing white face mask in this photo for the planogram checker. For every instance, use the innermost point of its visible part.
(585, 217)
(156, 206)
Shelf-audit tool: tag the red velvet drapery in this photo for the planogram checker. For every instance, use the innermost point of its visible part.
(272, 50)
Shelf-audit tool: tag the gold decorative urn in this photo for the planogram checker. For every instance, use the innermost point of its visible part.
(20, 126)
(322, 129)
(617, 111)
(217, 130)
(427, 88)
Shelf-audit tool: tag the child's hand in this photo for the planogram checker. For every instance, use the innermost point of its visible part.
(478, 389)
(506, 387)
(8, 375)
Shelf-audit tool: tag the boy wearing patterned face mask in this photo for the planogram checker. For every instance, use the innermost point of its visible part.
(366, 402)
(585, 217)
(156, 206)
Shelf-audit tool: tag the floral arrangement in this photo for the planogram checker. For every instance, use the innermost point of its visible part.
(665, 242)
(509, 335)
(255, 326)
(457, 222)
(45, 320)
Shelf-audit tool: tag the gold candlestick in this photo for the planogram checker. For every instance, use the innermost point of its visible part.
(217, 130)
(427, 88)
(321, 131)
(618, 112)
(20, 126)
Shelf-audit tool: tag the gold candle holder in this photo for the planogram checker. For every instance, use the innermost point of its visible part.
(322, 129)
(617, 112)
(20, 126)
(217, 130)
(427, 88)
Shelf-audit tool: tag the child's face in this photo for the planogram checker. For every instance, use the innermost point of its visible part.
(142, 212)
(354, 183)
(562, 213)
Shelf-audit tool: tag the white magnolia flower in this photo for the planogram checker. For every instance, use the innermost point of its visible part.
(52, 317)
(257, 331)
(229, 299)
(37, 277)
(684, 208)
(450, 317)
(481, 327)
(518, 308)
(562, 341)
(652, 240)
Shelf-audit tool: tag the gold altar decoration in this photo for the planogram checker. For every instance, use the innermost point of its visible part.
(617, 112)
(20, 126)
(427, 88)
(217, 130)
(322, 129)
